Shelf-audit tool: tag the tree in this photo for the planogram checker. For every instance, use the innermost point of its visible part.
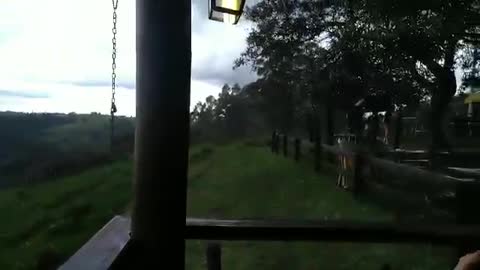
(284, 59)
(406, 50)
(227, 117)
(432, 33)
(236, 89)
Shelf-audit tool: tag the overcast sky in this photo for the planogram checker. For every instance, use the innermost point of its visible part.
(55, 55)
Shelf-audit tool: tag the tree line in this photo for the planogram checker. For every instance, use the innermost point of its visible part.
(315, 57)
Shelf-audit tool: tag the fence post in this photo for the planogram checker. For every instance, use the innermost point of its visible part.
(398, 130)
(467, 213)
(317, 153)
(274, 135)
(285, 145)
(277, 143)
(214, 256)
(357, 179)
(298, 153)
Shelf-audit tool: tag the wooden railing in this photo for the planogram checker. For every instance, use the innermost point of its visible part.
(424, 180)
(323, 231)
(464, 234)
(111, 247)
(370, 173)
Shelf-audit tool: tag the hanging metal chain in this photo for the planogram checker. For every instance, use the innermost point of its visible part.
(113, 108)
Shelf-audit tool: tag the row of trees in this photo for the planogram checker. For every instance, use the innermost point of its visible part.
(232, 115)
(314, 54)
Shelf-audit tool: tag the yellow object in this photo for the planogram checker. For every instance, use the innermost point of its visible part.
(227, 11)
(473, 98)
(233, 5)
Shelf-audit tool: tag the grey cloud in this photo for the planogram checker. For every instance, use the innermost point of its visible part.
(213, 65)
(128, 84)
(23, 94)
(221, 74)
(200, 15)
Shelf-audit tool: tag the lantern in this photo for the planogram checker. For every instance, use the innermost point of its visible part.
(227, 11)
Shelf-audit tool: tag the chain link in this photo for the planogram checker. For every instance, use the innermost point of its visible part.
(113, 108)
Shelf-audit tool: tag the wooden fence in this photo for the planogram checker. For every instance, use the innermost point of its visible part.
(367, 173)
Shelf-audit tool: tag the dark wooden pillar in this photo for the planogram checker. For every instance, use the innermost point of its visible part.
(273, 142)
(298, 145)
(357, 178)
(467, 213)
(163, 41)
(214, 256)
(317, 159)
(398, 130)
(330, 129)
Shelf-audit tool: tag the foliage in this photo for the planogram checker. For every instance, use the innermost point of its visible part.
(343, 50)
(232, 115)
(43, 146)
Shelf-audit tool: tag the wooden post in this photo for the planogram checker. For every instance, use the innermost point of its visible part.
(163, 64)
(310, 127)
(277, 144)
(357, 179)
(467, 213)
(298, 153)
(317, 153)
(274, 135)
(285, 145)
(398, 130)
(329, 127)
(433, 161)
(214, 256)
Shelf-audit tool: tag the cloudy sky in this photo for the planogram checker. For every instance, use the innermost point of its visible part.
(55, 55)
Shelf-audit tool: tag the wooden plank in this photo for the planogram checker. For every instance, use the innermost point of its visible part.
(338, 151)
(322, 230)
(410, 173)
(467, 172)
(102, 249)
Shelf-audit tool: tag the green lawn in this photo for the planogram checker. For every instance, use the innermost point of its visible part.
(236, 181)
(51, 221)
(47, 223)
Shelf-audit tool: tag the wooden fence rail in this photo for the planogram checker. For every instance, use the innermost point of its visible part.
(314, 231)
(421, 177)
(366, 170)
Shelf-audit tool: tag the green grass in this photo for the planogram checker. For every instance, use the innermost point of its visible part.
(236, 181)
(49, 222)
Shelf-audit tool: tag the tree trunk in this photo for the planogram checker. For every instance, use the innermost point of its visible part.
(329, 136)
(288, 111)
(441, 98)
(329, 124)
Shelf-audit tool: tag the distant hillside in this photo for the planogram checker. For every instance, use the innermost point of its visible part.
(37, 146)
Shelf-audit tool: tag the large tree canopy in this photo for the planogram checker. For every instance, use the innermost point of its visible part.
(342, 50)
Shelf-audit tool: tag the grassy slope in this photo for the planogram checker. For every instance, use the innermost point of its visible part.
(232, 181)
(240, 182)
(52, 220)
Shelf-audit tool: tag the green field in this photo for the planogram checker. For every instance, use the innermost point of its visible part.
(45, 224)
(48, 222)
